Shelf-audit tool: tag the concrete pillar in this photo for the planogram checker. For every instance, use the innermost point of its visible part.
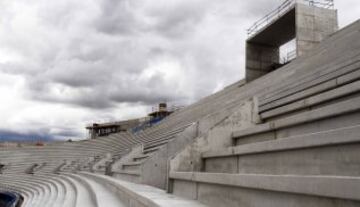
(313, 24)
(309, 25)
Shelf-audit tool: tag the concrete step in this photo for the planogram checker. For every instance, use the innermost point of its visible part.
(48, 189)
(345, 90)
(333, 152)
(131, 166)
(156, 144)
(35, 189)
(133, 176)
(141, 157)
(70, 192)
(157, 140)
(151, 150)
(328, 111)
(142, 195)
(104, 196)
(312, 81)
(267, 190)
(85, 195)
(128, 172)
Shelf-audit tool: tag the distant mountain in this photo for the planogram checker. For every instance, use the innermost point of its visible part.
(15, 136)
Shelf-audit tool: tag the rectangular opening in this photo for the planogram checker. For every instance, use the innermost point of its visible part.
(287, 52)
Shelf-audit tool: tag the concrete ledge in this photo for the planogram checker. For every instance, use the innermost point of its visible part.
(324, 186)
(317, 99)
(141, 157)
(128, 172)
(340, 136)
(328, 85)
(89, 189)
(133, 163)
(340, 108)
(311, 80)
(146, 195)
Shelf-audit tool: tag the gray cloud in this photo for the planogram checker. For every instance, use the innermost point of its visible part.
(98, 70)
(116, 18)
(98, 55)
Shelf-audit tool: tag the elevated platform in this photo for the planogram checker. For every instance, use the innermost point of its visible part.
(308, 22)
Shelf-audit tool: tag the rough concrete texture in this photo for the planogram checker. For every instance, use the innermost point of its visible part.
(118, 165)
(189, 159)
(154, 170)
(308, 25)
(305, 157)
(280, 187)
(221, 152)
(313, 25)
(218, 195)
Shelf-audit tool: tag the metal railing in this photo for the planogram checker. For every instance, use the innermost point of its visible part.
(327, 4)
(282, 9)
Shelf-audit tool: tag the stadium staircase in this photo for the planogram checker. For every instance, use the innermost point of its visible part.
(302, 148)
(289, 138)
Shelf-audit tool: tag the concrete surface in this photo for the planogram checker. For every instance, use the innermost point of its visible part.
(287, 138)
(308, 25)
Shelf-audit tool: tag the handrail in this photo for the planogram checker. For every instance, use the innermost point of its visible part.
(270, 17)
(327, 4)
(283, 8)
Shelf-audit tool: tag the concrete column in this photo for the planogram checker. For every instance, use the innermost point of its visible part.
(309, 25)
(313, 24)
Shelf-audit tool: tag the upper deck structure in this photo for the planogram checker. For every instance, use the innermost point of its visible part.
(306, 21)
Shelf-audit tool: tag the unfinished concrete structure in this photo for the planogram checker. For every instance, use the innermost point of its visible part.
(96, 130)
(307, 22)
(289, 138)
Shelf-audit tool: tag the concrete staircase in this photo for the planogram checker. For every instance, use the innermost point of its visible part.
(302, 148)
(134, 167)
(86, 190)
(309, 158)
(289, 138)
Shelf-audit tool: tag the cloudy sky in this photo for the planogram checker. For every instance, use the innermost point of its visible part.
(66, 63)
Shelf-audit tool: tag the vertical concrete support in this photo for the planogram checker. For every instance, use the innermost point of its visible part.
(307, 24)
(260, 59)
(313, 24)
(155, 169)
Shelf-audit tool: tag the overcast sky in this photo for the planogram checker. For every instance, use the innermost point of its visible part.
(66, 63)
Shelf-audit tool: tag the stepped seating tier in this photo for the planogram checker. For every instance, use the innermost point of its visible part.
(295, 144)
(303, 150)
(86, 189)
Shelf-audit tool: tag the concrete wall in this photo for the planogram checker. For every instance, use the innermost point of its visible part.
(313, 24)
(227, 196)
(154, 171)
(217, 137)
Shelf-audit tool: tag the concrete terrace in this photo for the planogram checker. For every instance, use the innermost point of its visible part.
(289, 137)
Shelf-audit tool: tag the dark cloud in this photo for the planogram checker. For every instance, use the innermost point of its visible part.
(38, 135)
(116, 18)
(98, 56)
(175, 20)
(90, 69)
(6, 135)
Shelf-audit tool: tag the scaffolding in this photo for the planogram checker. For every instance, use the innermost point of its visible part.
(284, 8)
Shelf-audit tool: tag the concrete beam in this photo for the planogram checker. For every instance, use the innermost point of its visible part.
(324, 186)
(340, 108)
